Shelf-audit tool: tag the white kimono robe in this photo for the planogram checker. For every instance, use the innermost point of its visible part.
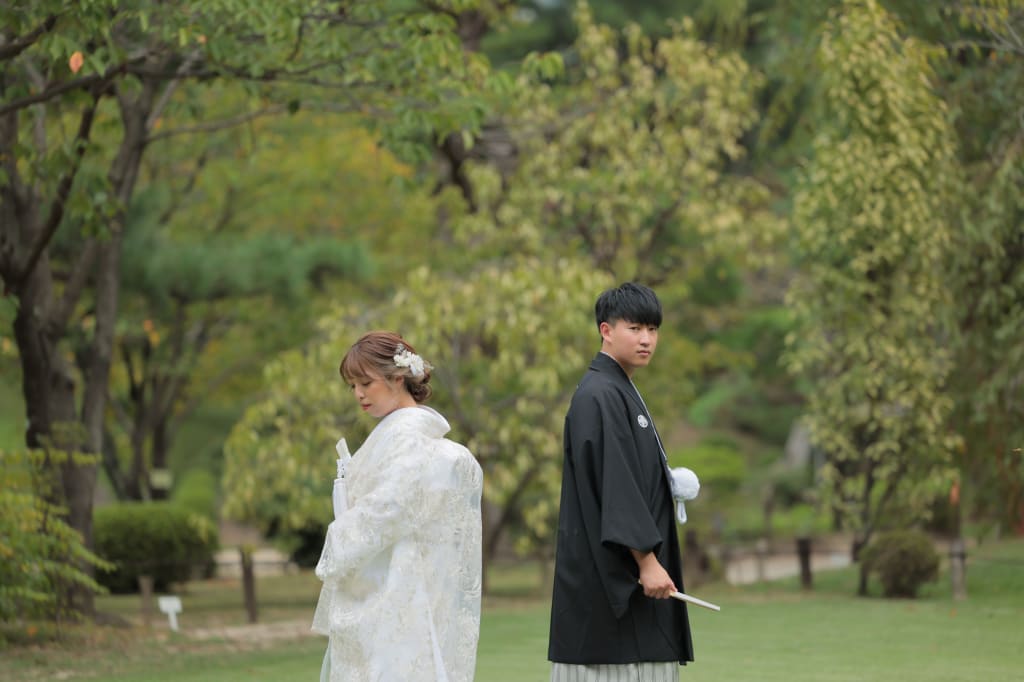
(401, 567)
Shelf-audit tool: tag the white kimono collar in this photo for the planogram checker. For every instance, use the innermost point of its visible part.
(422, 418)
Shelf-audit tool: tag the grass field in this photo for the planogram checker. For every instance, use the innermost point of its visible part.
(770, 631)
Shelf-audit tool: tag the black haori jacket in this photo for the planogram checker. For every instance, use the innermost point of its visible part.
(616, 495)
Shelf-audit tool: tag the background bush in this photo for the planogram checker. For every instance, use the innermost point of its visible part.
(903, 560)
(719, 466)
(160, 539)
(197, 492)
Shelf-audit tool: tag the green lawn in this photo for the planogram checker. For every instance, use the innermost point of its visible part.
(765, 632)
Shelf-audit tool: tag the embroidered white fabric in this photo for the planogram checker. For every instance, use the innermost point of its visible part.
(339, 495)
(400, 600)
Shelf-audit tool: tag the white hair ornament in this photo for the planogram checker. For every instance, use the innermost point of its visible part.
(406, 358)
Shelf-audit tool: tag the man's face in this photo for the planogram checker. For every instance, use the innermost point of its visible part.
(631, 344)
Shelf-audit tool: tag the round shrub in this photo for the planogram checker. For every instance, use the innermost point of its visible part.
(903, 560)
(159, 539)
(197, 492)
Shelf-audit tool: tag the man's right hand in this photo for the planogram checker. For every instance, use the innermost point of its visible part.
(653, 577)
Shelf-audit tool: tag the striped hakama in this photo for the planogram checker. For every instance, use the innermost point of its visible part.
(616, 672)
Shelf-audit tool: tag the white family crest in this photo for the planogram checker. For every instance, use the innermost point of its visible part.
(642, 421)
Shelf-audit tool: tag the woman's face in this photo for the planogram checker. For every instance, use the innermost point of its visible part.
(379, 397)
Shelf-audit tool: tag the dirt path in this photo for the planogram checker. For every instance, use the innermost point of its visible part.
(257, 633)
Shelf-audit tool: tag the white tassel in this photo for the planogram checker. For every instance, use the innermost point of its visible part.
(685, 486)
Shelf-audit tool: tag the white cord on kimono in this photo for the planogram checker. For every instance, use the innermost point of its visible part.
(685, 485)
(340, 494)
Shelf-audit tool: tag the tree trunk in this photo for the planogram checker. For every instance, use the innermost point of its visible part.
(48, 381)
(862, 583)
(48, 387)
(162, 491)
(137, 489)
(80, 478)
(48, 384)
(112, 467)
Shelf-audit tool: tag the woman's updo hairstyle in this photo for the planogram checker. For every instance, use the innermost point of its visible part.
(387, 355)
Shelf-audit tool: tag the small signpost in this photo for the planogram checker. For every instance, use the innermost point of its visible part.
(172, 607)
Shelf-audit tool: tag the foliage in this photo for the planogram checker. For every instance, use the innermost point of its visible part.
(223, 267)
(790, 486)
(903, 560)
(40, 554)
(747, 403)
(720, 468)
(369, 55)
(988, 264)
(872, 236)
(753, 523)
(241, 272)
(546, 25)
(158, 539)
(196, 492)
(976, 49)
(629, 162)
(279, 457)
(507, 350)
(634, 159)
(190, 294)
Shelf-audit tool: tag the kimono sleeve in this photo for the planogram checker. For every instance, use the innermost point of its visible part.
(404, 496)
(615, 510)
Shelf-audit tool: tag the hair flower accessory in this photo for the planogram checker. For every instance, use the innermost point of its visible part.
(405, 358)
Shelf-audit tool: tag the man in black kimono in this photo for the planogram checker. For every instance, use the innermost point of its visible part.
(617, 555)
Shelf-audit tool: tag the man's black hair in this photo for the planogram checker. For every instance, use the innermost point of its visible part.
(629, 302)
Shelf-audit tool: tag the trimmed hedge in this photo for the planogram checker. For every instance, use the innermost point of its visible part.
(903, 560)
(159, 539)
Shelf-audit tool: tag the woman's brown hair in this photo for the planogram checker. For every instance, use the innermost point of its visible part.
(373, 355)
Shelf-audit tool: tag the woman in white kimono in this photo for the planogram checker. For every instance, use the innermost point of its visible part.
(401, 564)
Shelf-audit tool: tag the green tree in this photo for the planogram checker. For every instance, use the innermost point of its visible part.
(634, 159)
(631, 162)
(988, 264)
(191, 295)
(872, 234)
(550, 25)
(83, 92)
(508, 340)
(978, 61)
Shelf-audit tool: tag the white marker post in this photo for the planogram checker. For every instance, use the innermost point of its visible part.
(172, 607)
